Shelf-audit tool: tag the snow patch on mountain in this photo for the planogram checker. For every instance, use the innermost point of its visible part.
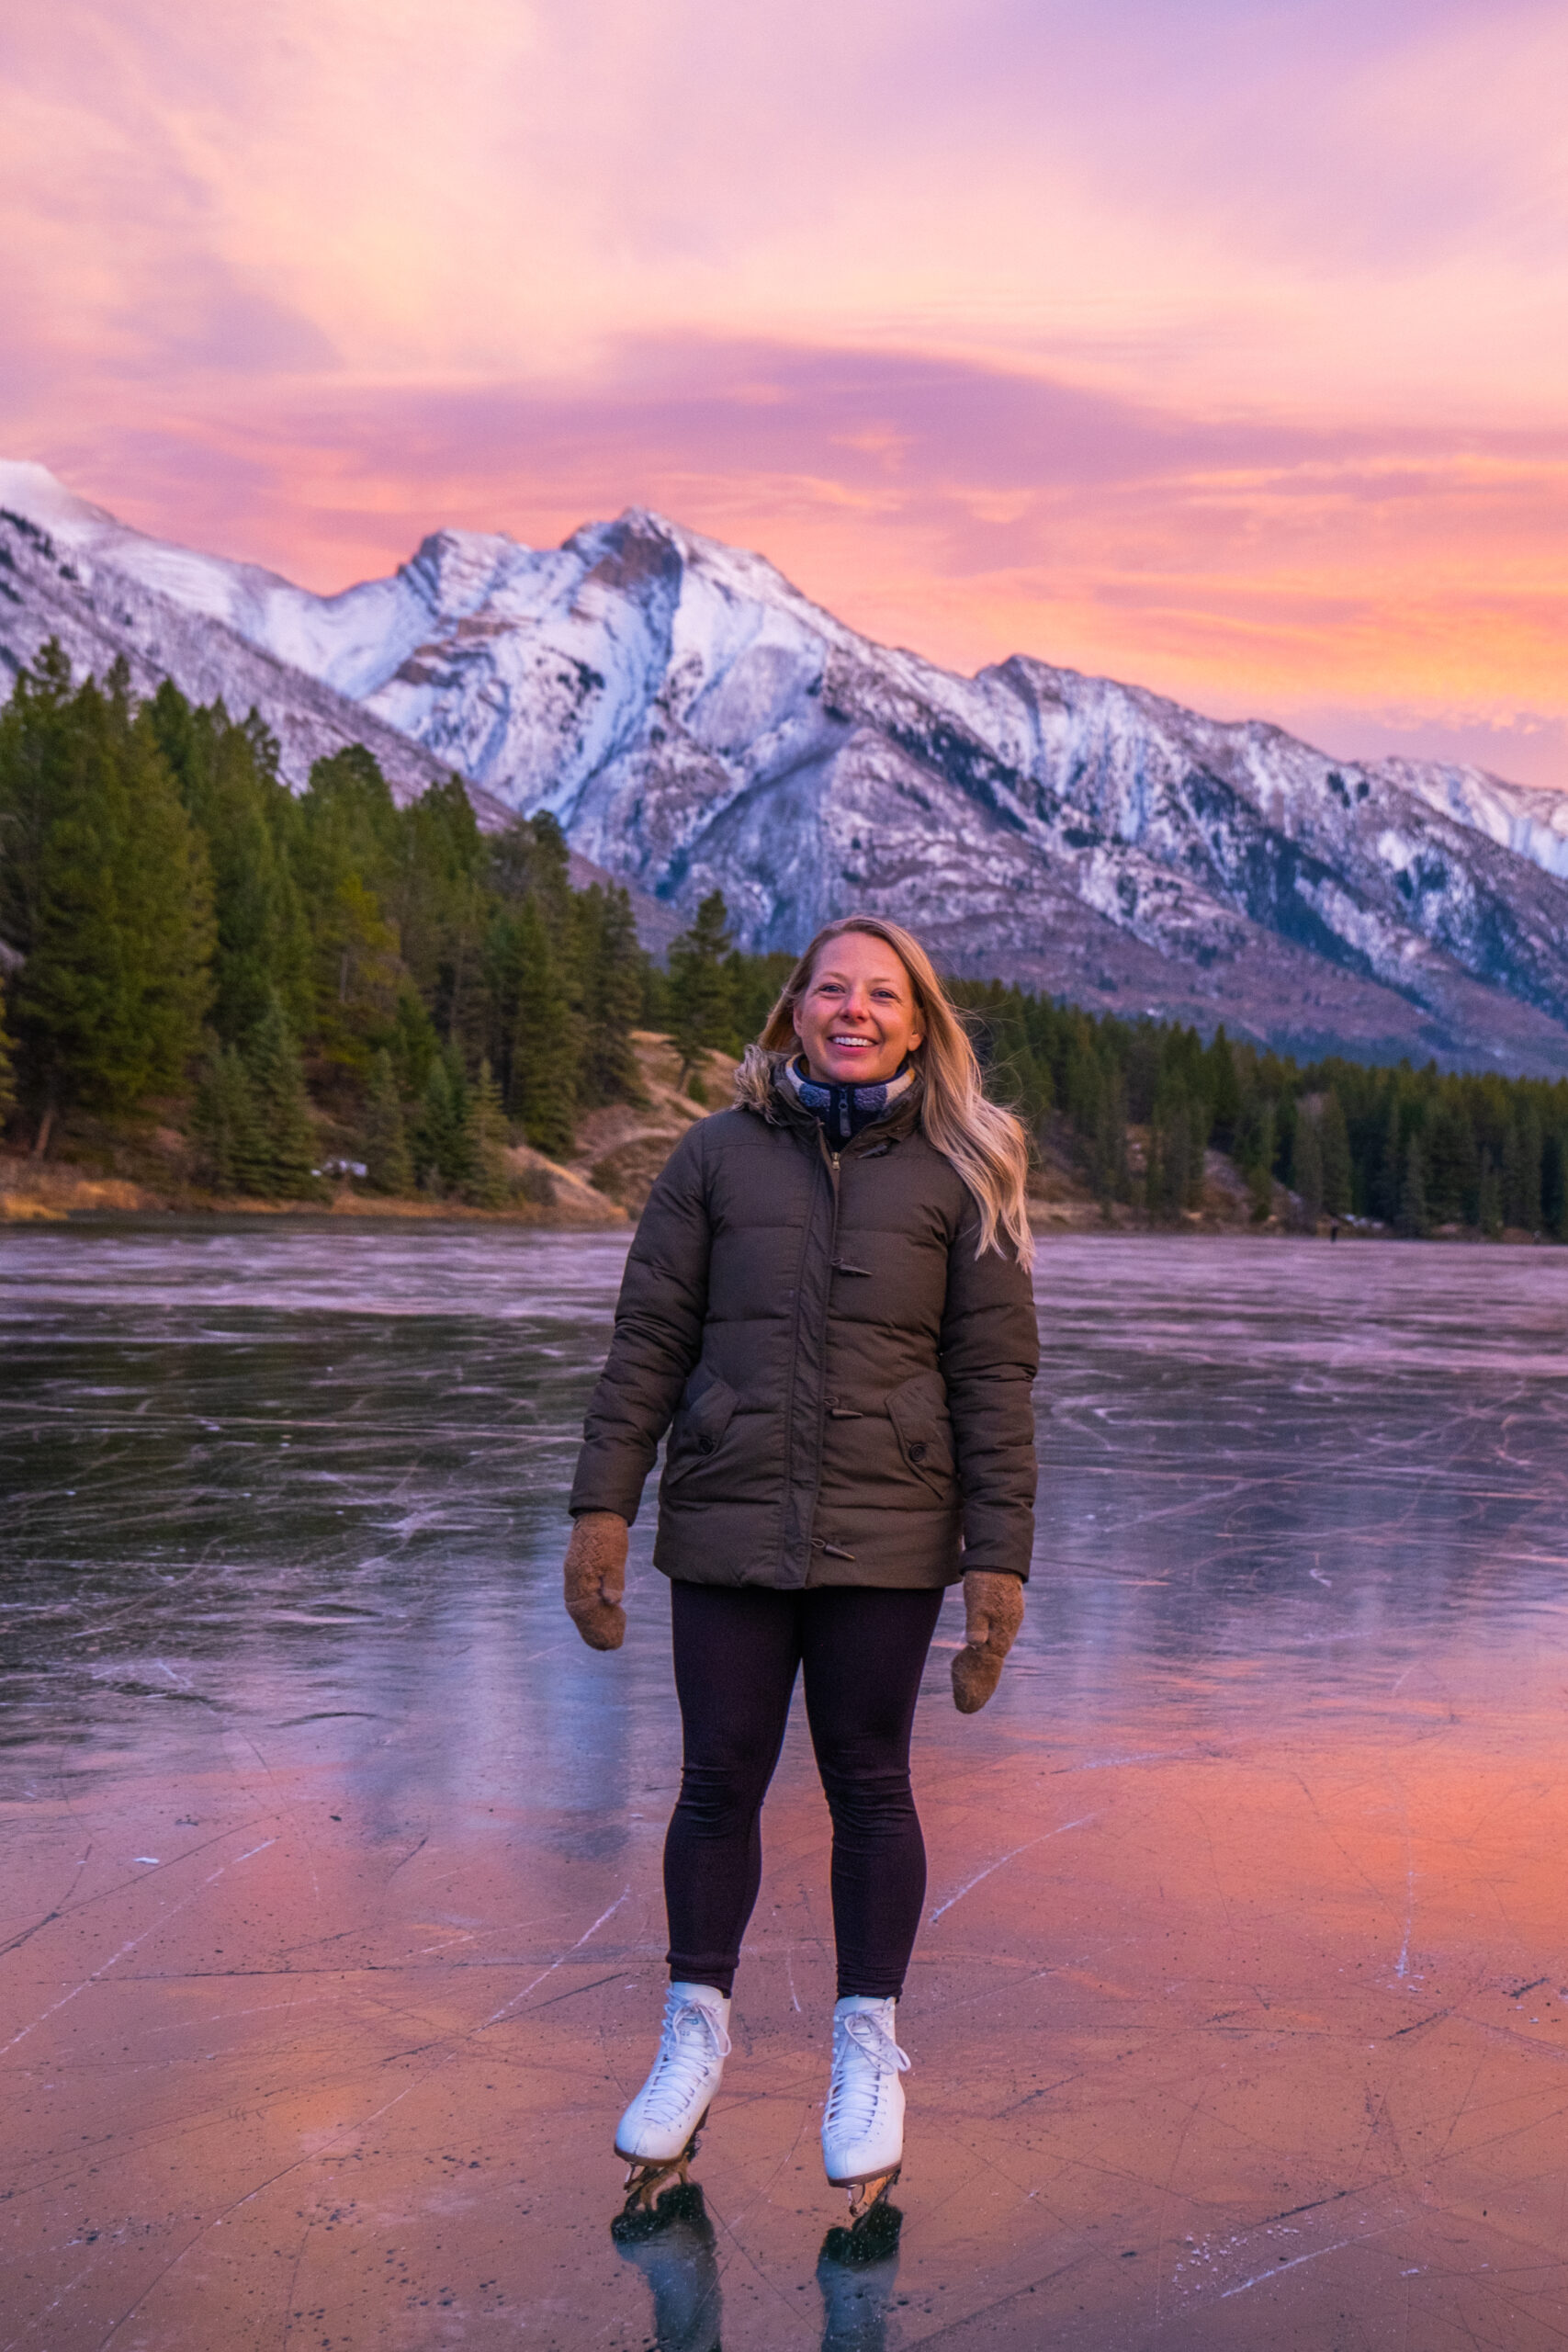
(695, 722)
(1531, 823)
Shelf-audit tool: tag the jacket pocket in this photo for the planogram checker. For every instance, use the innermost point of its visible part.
(699, 1426)
(918, 1410)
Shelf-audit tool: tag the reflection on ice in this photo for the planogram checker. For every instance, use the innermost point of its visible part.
(673, 2248)
(676, 2252)
(332, 1911)
(857, 2271)
(673, 2245)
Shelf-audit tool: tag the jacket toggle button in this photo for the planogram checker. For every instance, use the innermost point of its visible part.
(707, 1445)
(918, 1449)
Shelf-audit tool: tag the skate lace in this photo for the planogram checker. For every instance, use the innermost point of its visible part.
(862, 2053)
(693, 2038)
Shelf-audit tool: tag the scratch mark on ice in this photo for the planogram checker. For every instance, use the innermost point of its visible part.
(497, 2013)
(162, 1920)
(1060, 1831)
(1336, 2247)
(1401, 1965)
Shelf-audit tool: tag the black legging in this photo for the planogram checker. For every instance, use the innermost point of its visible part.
(736, 1654)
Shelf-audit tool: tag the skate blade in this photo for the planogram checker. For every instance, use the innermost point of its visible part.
(873, 2239)
(636, 2223)
(866, 2195)
(648, 2176)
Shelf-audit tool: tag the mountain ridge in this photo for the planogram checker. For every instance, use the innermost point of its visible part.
(695, 722)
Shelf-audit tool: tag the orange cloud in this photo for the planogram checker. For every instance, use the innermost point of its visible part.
(1217, 347)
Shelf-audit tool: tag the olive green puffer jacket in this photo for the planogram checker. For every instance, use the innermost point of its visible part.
(845, 1383)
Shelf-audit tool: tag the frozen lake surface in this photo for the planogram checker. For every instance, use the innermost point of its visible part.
(330, 1915)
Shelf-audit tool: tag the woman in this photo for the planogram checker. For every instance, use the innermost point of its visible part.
(828, 1306)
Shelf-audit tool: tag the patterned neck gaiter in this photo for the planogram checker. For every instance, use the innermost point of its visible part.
(845, 1110)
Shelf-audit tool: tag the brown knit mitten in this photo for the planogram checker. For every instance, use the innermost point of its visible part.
(595, 1578)
(993, 1609)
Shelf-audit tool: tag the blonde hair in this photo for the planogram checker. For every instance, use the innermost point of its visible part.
(985, 1144)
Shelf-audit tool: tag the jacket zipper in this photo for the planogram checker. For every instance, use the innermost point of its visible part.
(832, 1159)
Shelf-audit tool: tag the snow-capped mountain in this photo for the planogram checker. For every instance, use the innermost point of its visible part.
(694, 721)
(1524, 818)
(53, 588)
(54, 583)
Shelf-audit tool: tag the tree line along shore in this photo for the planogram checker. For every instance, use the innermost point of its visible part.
(230, 992)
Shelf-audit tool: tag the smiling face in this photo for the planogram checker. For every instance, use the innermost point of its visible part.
(857, 1020)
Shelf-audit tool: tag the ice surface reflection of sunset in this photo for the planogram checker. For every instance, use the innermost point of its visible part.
(332, 1908)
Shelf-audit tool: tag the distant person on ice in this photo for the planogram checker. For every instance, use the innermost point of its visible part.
(827, 1304)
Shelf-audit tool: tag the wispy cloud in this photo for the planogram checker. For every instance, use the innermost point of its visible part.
(1217, 347)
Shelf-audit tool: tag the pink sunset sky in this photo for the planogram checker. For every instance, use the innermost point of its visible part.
(1218, 345)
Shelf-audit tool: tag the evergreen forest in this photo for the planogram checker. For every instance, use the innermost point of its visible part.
(1414, 1150)
(323, 984)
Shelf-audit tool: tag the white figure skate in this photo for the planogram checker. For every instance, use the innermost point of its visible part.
(658, 2134)
(863, 2123)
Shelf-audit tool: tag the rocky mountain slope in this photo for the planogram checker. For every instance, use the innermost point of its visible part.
(49, 587)
(1520, 817)
(694, 721)
(97, 612)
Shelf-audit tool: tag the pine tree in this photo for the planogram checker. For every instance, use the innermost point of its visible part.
(1554, 1183)
(413, 1045)
(1174, 1169)
(701, 1013)
(1453, 1166)
(1334, 1144)
(440, 1139)
(430, 1138)
(387, 1164)
(1309, 1167)
(279, 1165)
(1259, 1165)
(484, 1133)
(1223, 1090)
(1084, 1078)
(1178, 1133)
(756, 983)
(656, 1013)
(7, 1068)
(543, 1062)
(1139, 1053)
(1411, 1223)
(228, 782)
(1154, 1172)
(357, 972)
(611, 962)
(105, 890)
(1108, 1163)
(349, 809)
(223, 1119)
(529, 859)
(440, 903)
(1392, 1173)
(1489, 1204)
(1521, 1168)
(346, 858)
